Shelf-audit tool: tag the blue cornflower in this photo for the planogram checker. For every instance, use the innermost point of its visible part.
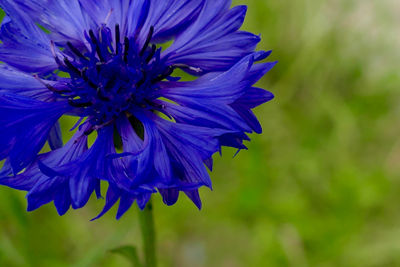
(112, 65)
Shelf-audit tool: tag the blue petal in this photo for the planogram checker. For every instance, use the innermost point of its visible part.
(86, 171)
(148, 167)
(16, 82)
(20, 182)
(131, 142)
(234, 140)
(82, 186)
(65, 163)
(113, 194)
(48, 186)
(126, 200)
(24, 127)
(209, 163)
(251, 99)
(213, 42)
(124, 204)
(189, 146)
(44, 192)
(170, 196)
(161, 160)
(254, 97)
(221, 100)
(62, 200)
(114, 170)
(6, 170)
(201, 139)
(65, 19)
(129, 15)
(25, 46)
(142, 200)
(212, 97)
(195, 197)
(170, 17)
(55, 137)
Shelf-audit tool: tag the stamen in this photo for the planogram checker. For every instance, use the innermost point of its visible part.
(141, 81)
(76, 51)
(112, 77)
(86, 79)
(117, 38)
(184, 66)
(53, 52)
(98, 66)
(78, 104)
(72, 67)
(96, 43)
(101, 96)
(108, 16)
(148, 39)
(53, 49)
(89, 131)
(111, 83)
(126, 52)
(51, 88)
(153, 51)
(97, 127)
(166, 73)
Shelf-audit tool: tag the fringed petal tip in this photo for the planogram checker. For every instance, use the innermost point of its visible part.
(170, 196)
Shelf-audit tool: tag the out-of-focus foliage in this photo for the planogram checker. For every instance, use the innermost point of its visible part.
(320, 186)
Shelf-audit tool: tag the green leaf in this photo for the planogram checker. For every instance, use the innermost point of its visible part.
(130, 253)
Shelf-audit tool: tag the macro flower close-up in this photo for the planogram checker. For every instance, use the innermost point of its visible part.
(165, 133)
(155, 87)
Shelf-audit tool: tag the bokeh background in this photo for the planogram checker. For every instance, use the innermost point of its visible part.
(320, 186)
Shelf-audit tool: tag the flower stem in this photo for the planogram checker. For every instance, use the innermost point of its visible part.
(148, 235)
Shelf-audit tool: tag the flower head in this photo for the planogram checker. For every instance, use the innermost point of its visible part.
(112, 65)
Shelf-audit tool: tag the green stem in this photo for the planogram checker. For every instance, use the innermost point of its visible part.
(148, 235)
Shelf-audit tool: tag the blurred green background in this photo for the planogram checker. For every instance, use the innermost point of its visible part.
(320, 186)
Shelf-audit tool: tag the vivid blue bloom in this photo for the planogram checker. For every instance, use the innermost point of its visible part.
(103, 62)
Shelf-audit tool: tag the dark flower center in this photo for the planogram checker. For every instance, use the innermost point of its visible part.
(113, 77)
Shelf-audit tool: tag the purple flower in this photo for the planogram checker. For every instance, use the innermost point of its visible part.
(109, 64)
